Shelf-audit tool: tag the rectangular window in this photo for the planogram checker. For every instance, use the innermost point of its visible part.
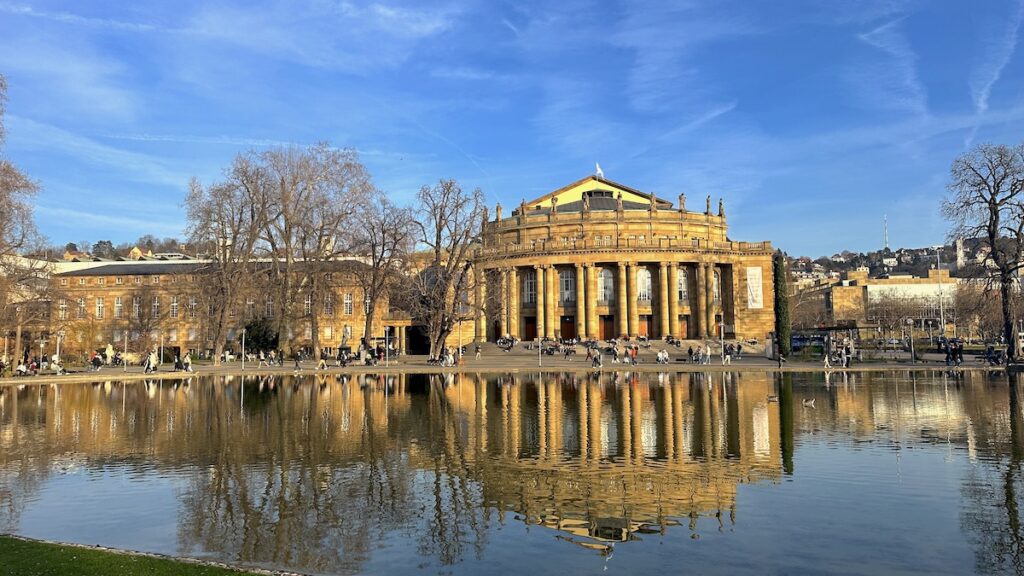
(81, 281)
(191, 334)
(268, 309)
(101, 281)
(119, 280)
(309, 331)
(328, 332)
(137, 279)
(62, 309)
(117, 307)
(530, 287)
(63, 281)
(192, 308)
(366, 305)
(348, 304)
(136, 304)
(155, 280)
(155, 309)
(567, 286)
(174, 306)
(172, 335)
(307, 304)
(683, 287)
(117, 335)
(99, 308)
(250, 308)
(329, 304)
(81, 307)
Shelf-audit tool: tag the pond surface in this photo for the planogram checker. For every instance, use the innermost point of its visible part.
(886, 473)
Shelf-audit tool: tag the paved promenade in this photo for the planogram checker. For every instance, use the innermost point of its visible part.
(493, 359)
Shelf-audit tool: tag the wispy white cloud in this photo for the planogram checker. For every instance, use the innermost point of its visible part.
(470, 73)
(997, 49)
(76, 19)
(78, 217)
(890, 80)
(29, 135)
(72, 78)
(701, 120)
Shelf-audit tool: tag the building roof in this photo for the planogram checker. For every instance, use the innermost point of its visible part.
(633, 199)
(137, 268)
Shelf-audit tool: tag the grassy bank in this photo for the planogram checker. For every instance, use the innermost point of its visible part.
(27, 558)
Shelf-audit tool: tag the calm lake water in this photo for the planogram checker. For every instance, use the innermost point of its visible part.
(887, 473)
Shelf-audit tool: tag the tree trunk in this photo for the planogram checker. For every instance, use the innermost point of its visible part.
(1008, 332)
(17, 345)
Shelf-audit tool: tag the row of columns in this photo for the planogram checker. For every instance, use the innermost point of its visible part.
(586, 317)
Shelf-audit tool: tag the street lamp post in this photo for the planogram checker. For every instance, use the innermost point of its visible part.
(243, 352)
(387, 357)
(366, 312)
(124, 361)
(942, 308)
(913, 357)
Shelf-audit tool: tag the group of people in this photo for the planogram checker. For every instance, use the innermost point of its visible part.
(954, 350)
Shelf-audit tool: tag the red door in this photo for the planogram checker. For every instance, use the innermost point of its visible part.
(529, 327)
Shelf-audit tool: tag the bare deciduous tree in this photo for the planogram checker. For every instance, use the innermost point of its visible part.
(381, 241)
(226, 219)
(448, 222)
(987, 202)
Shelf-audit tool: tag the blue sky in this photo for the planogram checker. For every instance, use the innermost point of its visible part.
(812, 118)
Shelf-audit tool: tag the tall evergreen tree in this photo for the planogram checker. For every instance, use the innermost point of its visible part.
(783, 329)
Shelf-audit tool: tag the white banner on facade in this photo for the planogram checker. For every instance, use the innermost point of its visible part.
(755, 293)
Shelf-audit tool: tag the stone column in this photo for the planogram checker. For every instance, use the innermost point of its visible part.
(591, 274)
(551, 301)
(698, 315)
(581, 299)
(673, 300)
(620, 296)
(634, 315)
(539, 271)
(481, 301)
(663, 329)
(513, 303)
(709, 278)
(503, 293)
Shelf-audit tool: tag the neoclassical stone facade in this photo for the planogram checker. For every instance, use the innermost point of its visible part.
(597, 259)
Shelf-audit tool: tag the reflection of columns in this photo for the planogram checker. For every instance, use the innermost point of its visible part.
(517, 417)
(698, 314)
(673, 301)
(594, 395)
(481, 299)
(620, 293)
(709, 299)
(538, 272)
(481, 410)
(584, 433)
(626, 432)
(637, 405)
(542, 420)
(513, 304)
(591, 302)
(581, 299)
(551, 302)
(631, 294)
(663, 328)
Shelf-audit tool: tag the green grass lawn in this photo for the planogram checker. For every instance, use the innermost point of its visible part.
(21, 558)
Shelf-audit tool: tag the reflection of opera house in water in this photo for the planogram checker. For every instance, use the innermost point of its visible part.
(610, 456)
(603, 457)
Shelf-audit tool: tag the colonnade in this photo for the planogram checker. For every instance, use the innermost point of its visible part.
(584, 314)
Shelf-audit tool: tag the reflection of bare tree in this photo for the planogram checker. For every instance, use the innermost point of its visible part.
(281, 491)
(459, 518)
(992, 520)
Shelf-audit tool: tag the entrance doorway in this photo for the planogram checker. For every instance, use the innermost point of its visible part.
(644, 326)
(567, 327)
(606, 327)
(684, 327)
(529, 327)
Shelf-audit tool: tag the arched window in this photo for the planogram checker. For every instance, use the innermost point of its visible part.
(605, 286)
(529, 287)
(566, 286)
(683, 286)
(643, 285)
